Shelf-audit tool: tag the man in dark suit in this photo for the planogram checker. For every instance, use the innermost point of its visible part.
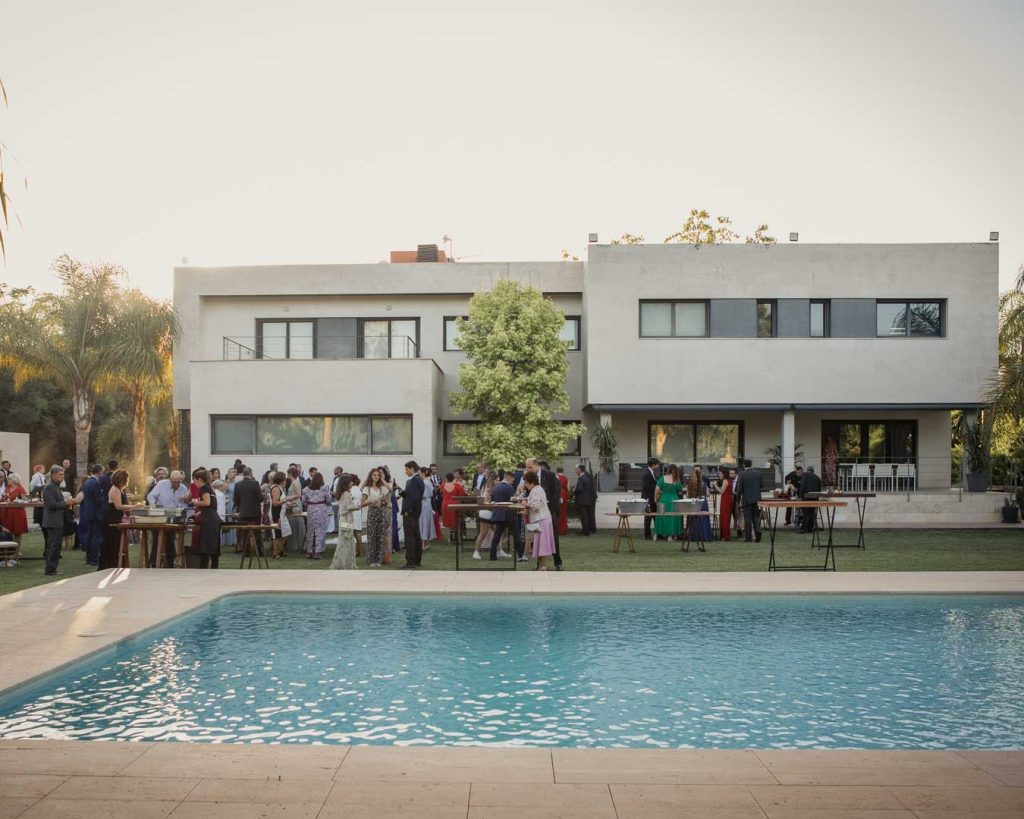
(106, 478)
(248, 499)
(648, 486)
(586, 501)
(91, 517)
(54, 507)
(412, 505)
(502, 519)
(810, 482)
(548, 481)
(748, 488)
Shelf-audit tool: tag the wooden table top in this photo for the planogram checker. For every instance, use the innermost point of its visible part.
(20, 505)
(800, 504)
(697, 514)
(827, 495)
(154, 524)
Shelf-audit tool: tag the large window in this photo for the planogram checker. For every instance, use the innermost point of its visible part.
(695, 442)
(285, 339)
(312, 435)
(766, 319)
(389, 338)
(673, 319)
(821, 319)
(910, 318)
(870, 441)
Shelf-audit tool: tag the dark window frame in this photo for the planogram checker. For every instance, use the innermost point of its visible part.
(707, 316)
(695, 423)
(444, 334)
(906, 303)
(213, 434)
(774, 305)
(826, 318)
(261, 322)
(361, 322)
(254, 419)
(578, 320)
(865, 425)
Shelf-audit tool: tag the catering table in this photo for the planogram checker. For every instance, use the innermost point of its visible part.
(160, 529)
(690, 528)
(828, 509)
(862, 508)
(460, 508)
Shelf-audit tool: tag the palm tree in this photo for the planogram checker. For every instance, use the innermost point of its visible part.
(69, 338)
(145, 339)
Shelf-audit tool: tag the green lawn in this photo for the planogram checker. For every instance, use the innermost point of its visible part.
(906, 550)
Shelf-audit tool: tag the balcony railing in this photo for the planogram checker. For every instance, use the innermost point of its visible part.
(337, 348)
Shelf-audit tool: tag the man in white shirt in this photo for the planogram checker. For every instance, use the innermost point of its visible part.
(170, 493)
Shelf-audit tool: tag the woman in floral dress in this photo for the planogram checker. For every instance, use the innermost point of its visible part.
(317, 500)
(377, 495)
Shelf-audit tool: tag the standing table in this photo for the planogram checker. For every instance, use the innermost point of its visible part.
(461, 508)
(250, 536)
(159, 529)
(692, 532)
(828, 509)
(862, 507)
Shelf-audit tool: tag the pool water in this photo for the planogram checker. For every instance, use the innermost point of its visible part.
(627, 672)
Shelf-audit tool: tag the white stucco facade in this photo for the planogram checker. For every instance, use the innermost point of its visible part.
(786, 388)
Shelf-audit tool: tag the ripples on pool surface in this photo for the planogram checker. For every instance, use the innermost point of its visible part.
(725, 672)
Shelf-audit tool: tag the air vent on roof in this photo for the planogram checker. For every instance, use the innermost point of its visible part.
(426, 253)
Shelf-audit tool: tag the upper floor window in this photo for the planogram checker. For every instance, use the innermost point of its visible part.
(766, 319)
(285, 339)
(910, 318)
(821, 319)
(451, 333)
(571, 332)
(389, 338)
(311, 434)
(673, 319)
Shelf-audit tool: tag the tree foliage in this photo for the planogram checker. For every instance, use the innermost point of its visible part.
(629, 239)
(700, 228)
(91, 337)
(513, 379)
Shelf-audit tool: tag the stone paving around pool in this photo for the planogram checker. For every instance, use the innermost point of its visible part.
(50, 626)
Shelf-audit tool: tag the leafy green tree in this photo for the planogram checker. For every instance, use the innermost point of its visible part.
(513, 379)
(629, 239)
(71, 338)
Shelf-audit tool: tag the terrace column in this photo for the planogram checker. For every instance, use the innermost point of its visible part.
(788, 440)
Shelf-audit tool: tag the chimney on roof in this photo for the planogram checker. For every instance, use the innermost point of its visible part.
(423, 253)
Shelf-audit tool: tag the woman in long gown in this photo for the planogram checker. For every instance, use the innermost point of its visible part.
(345, 552)
(695, 489)
(318, 509)
(14, 520)
(207, 546)
(668, 489)
(563, 507)
(725, 506)
(427, 510)
(394, 538)
(450, 490)
(378, 524)
(293, 500)
(537, 508)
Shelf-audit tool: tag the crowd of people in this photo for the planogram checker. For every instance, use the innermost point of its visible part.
(374, 518)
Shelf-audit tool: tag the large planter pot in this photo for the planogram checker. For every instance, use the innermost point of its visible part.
(977, 482)
(1011, 514)
(607, 481)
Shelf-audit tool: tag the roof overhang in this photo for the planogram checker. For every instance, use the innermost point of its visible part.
(782, 407)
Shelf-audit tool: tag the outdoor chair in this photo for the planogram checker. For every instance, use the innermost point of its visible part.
(861, 478)
(885, 476)
(8, 552)
(907, 474)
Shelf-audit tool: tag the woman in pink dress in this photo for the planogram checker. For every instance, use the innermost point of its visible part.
(537, 506)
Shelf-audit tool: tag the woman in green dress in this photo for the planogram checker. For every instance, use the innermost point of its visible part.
(670, 488)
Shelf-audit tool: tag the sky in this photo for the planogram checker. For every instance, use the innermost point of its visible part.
(324, 131)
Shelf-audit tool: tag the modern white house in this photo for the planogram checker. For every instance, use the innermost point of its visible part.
(849, 357)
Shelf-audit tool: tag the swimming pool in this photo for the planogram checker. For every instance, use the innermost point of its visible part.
(799, 671)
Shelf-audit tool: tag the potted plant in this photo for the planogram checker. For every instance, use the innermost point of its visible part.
(606, 443)
(1011, 509)
(976, 438)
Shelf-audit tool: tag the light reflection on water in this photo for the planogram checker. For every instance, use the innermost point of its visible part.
(729, 672)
